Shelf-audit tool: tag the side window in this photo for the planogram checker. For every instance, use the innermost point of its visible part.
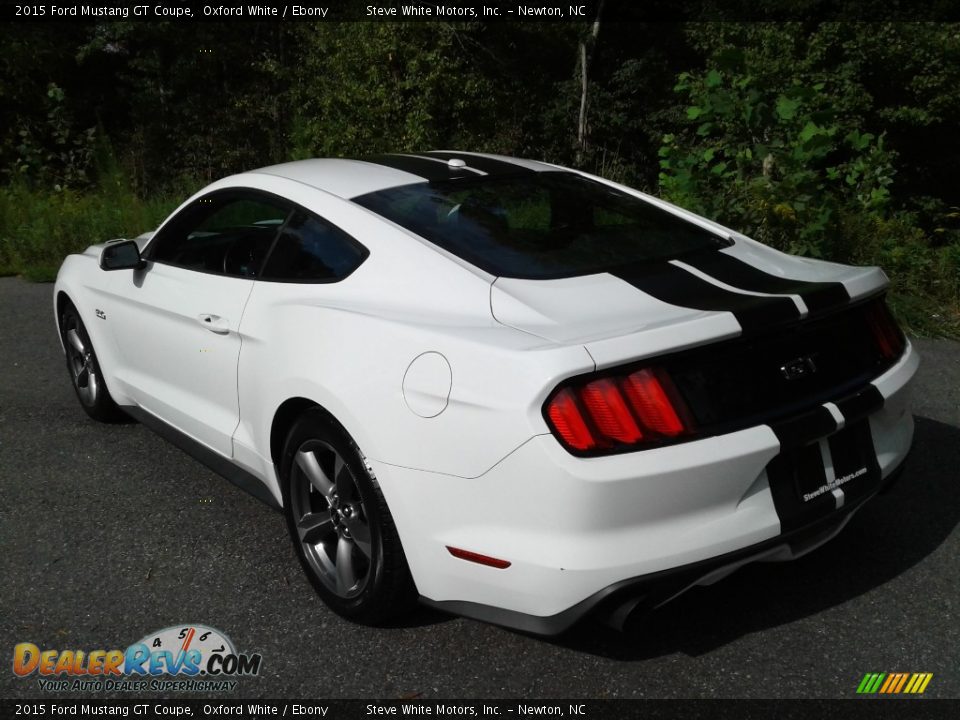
(228, 234)
(310, 249)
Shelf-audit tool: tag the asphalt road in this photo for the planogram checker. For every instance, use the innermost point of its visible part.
(108, 533)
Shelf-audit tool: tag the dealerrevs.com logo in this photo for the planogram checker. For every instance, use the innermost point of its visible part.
(189, 658)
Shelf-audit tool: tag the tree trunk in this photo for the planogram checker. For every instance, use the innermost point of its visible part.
(587, 45)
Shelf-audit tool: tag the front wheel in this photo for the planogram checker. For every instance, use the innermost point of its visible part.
(341, 527)
(84, 369)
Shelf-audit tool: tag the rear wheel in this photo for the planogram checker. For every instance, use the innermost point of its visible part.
(84, 369)
(341, 527)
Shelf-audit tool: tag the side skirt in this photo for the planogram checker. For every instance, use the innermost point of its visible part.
(198, 451)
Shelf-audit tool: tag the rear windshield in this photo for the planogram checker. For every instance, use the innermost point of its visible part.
(539, 225)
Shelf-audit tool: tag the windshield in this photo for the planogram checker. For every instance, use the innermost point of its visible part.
(540, 225)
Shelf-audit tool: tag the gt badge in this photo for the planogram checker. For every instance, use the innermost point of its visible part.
(798, 368)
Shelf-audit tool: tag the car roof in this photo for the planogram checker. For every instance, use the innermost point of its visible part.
(350, 178)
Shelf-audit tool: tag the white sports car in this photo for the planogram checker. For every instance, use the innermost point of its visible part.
(507, 389)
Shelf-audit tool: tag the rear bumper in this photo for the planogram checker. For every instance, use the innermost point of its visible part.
(617, 602)
(600, 533)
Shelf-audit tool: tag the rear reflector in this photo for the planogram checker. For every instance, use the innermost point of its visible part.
(478, 558)
(617, 412)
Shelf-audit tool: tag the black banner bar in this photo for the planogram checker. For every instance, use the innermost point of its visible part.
(584, 11)
(874, 708)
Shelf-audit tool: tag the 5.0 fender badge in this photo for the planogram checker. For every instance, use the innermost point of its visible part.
(100, 313)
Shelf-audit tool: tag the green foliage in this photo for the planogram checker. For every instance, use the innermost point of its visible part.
(377, 87)
(771, 145)
(365, 88)
(38, 228)
(924, 275)
(779, 163)
(53, 153)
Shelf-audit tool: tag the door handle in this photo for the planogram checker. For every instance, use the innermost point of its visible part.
(214, 323)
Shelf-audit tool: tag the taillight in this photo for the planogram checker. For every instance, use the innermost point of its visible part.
(608, 409)
(652, 404)
(618, 412)
(567, 420)
(886, 334)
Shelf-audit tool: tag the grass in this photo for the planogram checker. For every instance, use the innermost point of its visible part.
(40, 228)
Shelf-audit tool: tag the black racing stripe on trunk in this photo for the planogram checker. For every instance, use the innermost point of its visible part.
(491, 166)
(677, 286)
(798, 482)
(429, 170)
(804, 429)
(866, 402)
(854, 458)
(789, 474)
(818, 296)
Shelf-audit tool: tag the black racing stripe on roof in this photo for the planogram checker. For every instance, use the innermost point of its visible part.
(677, 286)
(429, 170)
(818, 296)
(490, 166)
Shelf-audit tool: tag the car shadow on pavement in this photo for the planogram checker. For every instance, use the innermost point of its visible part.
(886, 538)
(421, 617)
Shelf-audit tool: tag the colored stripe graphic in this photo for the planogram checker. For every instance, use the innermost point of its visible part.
(676, 286)
(903, 679)
(894, 683)
(818, 296)
(891, 680)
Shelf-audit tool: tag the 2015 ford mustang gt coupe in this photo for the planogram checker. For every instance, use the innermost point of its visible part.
(503, 388)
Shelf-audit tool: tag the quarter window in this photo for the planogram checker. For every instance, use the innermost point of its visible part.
(310, 249)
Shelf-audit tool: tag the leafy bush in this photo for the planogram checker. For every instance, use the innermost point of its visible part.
(783, 159)
(53, 153)
(38, 228)
(779, 163)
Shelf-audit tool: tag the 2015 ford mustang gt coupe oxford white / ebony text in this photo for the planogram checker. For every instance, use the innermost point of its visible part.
(503, 388)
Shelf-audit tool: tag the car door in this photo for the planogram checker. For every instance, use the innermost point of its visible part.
(176, 323)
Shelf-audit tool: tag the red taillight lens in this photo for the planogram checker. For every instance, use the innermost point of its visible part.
(652, 404)
(885, 332)
(609, 413)
(568, 422)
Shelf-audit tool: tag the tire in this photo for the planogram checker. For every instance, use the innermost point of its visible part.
(84, 368)
(340, 525)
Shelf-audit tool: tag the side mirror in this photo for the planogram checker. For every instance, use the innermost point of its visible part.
(122, 255)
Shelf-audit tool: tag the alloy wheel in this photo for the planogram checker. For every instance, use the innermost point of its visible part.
(83, 366)
(330, 519)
